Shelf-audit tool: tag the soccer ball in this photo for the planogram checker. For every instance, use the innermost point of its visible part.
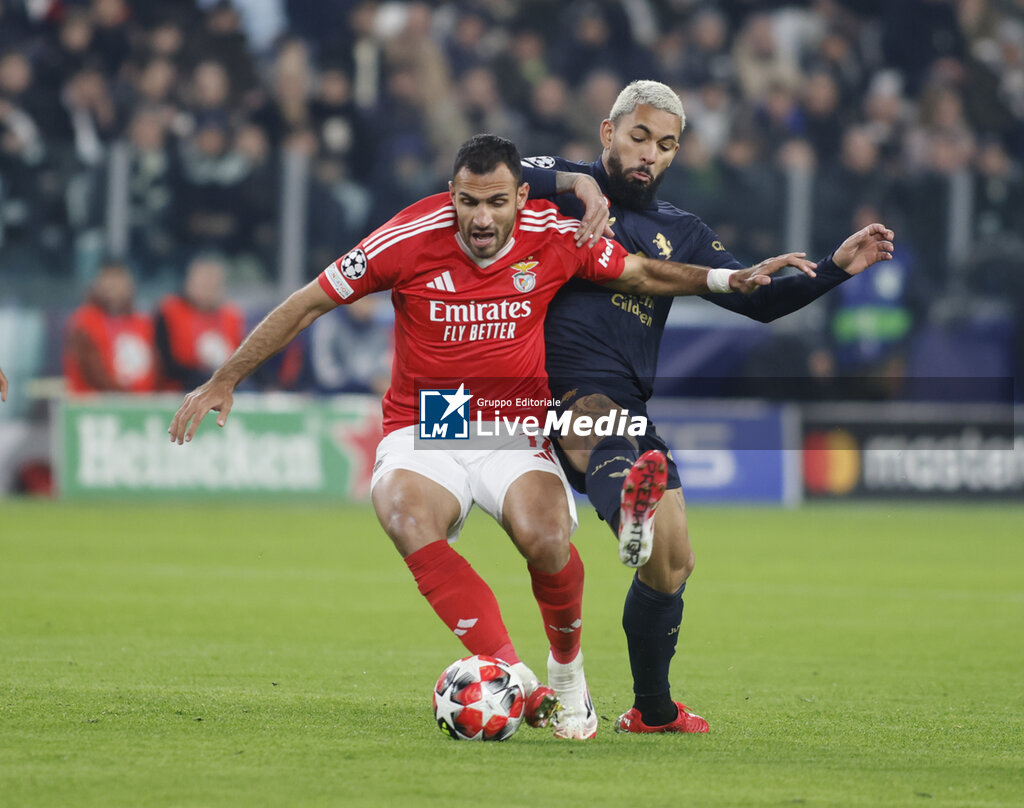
(479, 698)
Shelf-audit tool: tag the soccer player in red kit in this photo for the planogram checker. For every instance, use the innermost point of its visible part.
(471, 274)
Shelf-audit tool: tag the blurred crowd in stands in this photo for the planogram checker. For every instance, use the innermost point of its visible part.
(909, 111)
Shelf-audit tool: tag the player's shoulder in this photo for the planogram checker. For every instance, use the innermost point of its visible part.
(543, 216)
(670, 211)
(541, 207)
(682, 221)
(419, 219)
(553, 163)
(434, 205)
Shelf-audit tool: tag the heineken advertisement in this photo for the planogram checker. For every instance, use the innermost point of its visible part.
(283, 444)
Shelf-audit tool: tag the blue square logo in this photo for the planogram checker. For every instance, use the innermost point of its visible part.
(444, 414)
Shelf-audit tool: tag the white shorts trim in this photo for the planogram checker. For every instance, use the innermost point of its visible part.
(480, 476)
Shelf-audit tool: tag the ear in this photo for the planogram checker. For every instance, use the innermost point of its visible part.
(522, 194)
(607, 131)
(451, 190)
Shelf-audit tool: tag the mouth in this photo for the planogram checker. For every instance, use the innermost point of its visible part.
(482, 238)
(639, 175)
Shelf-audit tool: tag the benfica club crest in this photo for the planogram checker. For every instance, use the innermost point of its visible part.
(523, 278)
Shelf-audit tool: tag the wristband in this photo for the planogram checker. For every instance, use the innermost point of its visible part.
(718, 280)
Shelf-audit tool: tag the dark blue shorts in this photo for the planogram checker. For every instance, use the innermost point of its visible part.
(624, 393)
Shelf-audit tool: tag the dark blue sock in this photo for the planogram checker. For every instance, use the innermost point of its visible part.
(606, 470)
(651, 620)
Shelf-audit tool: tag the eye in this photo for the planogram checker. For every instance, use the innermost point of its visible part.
(637, 139)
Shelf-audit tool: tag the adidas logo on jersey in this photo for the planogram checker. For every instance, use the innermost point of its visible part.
(442, 282)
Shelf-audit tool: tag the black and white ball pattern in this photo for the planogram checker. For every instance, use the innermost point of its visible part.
(479, 698)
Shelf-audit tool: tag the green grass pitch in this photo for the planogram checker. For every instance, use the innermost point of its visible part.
(281, 655)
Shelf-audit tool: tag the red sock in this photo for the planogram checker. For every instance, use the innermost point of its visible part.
(560, 597)
(461, 599)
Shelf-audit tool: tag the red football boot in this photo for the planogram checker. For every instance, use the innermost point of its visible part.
(541, 705)
(686, 721)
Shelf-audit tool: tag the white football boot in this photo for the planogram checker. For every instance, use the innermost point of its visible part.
(577, 719)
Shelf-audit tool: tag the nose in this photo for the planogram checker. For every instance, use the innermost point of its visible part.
(482, 218)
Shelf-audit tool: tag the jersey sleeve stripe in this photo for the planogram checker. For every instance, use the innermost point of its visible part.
(445, 215)
(533, 220)
(542, 215)
(567, 227)
(551, 222)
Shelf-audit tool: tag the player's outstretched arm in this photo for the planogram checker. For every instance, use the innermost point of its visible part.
(867, 246)
(650, 276)
(3, 386)
(276, 330)
(859, 251)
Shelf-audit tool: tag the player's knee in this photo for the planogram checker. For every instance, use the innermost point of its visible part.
(410, 530)
(680, 568)
(400, 528)
(594, 404)
(544, 543)
(578, 458)
(668, 572)
(686, 566)
(411, 515)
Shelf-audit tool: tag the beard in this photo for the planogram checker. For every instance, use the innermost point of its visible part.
(627, 192)
(501, 233)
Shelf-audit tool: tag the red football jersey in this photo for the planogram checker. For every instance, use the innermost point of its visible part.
(125, 345)
(459, 319)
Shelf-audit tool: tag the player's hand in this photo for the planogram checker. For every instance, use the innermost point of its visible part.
(3, 386)
(867, 246)
(594, 223)
(214, 395)
(748, 280)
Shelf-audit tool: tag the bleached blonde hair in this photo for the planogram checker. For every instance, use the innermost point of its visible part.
(653, 94)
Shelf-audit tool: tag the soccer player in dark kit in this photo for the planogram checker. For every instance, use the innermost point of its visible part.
(471, 273)
(602, 351)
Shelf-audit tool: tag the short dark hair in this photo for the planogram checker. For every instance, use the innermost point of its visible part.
(481, 154)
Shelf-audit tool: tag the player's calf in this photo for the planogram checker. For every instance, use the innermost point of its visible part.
(641, 492)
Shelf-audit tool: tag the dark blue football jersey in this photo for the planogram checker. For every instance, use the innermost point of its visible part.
(592, 331)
